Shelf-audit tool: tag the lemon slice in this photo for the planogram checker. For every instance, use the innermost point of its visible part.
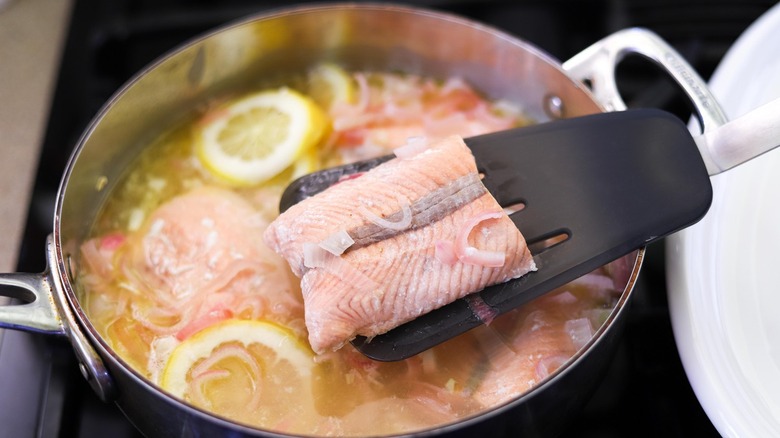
(328, 84)
(255, 138)
(251, 371)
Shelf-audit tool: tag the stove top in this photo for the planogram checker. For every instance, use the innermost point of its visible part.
(645, 391)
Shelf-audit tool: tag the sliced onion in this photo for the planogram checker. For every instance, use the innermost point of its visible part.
(437, 403)
(401, 225)
(105, 305)
(337, 242)
(429, 362)
(413, 147)
(402, 112)
(236, 267)
(223, 352)
(548, 364)
(365, 92)
(535, 321)
(203, 369)
(490, 121)
(598, 316)
(211, 317)
(484, 312)
(471, 255)
(197, 383)
(145, 319)
(595, 281)
(454, 83)
(564, 297)
(348, 117)
(490, 259)
(254, 306)
(159, 352)
(579, 330)
(314, 256)
(445, 252)
(442, 126)
(92, 256)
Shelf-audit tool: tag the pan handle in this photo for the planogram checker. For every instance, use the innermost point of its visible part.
(596, 65)
(37, 311)
(45, 309)
(743, 138)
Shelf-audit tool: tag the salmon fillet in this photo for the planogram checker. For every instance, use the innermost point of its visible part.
(202, 252)
(390, 276)
(201, 240)
(516, 362)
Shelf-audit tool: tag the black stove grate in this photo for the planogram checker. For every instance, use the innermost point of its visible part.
(645, 392)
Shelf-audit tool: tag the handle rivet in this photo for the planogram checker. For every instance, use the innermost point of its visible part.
(83, 369)
(553, 106)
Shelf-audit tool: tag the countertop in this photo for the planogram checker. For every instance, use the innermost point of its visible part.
(32, 36)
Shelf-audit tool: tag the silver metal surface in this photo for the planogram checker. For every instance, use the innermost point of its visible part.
(596, 65)
(45, 309)
(722, 144)
(37, 312)
(742, 139)
(90, 362)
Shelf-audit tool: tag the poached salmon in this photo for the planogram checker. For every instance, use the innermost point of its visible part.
(411, 235)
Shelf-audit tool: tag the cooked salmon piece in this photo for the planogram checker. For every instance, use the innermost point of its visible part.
(411, 235)
(201, 240)
(530, 343)
(519, 362)
(201, 255)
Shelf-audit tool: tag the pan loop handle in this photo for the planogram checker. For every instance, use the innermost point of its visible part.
(37, 311)
(45, 309)
(596, 65)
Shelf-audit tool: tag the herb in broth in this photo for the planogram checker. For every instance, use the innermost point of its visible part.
(178, 281)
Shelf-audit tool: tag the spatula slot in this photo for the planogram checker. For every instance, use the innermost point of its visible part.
(547, 241)
(514, 208)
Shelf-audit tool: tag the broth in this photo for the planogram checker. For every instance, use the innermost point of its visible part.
(210, 269)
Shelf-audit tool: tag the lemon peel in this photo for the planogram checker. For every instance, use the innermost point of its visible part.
(329, 84)
(250, 140)
(289, 350)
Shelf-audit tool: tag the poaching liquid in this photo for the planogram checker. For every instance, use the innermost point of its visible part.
(177, 252)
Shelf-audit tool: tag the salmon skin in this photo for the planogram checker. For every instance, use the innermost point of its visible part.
(421, 232)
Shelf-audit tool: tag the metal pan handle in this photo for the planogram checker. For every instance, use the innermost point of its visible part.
(743, 138)
(596, 65)
(722, 144)
(37, 313)
(45, 309)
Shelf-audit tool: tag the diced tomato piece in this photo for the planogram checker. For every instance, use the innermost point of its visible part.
(112, 241)
(351, 138)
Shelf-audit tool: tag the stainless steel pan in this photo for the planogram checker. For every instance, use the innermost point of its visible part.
(361, 37)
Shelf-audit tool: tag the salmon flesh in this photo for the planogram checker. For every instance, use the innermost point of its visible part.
(408, 237)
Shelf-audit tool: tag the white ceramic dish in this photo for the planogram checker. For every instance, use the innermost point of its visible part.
(723, 274)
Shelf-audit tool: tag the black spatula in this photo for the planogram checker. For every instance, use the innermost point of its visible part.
(608, 183)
